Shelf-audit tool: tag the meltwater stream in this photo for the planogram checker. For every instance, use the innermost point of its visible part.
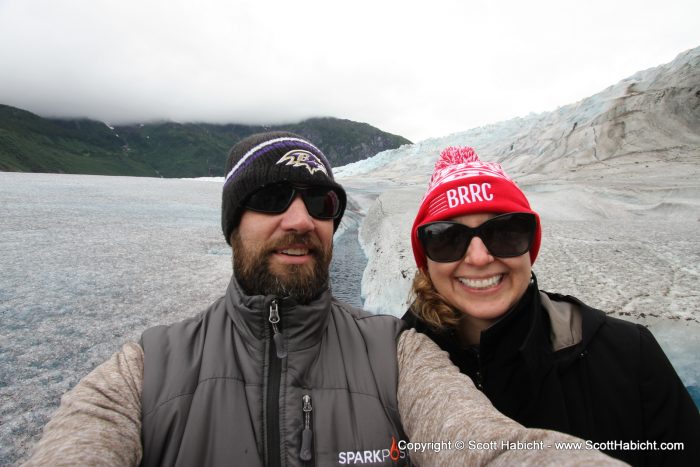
(348, 264)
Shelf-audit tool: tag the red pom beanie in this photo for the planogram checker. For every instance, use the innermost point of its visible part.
(461, 184)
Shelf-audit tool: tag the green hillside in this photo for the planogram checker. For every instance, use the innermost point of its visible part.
(29, 143)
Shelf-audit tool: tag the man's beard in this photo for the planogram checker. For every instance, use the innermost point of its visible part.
(302, 282)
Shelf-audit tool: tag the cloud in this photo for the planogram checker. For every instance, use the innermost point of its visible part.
(420, 70)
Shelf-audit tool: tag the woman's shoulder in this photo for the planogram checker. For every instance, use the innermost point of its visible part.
(574, 322)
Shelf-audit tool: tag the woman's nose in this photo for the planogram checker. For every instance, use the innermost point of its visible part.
(477, 253)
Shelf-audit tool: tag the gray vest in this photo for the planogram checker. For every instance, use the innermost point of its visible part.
(228, 387)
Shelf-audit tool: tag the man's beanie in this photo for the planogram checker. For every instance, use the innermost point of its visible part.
(461, 184)
(267, 158)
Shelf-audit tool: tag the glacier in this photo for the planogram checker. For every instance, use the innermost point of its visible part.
(615, 179)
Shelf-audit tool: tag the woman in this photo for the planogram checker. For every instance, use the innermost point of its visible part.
(545, 360)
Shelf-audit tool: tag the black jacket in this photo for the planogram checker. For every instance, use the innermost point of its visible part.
(553, 362)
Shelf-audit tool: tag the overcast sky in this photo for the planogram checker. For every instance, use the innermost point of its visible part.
(418, 69)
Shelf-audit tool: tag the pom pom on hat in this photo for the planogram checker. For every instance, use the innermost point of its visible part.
(462, 184)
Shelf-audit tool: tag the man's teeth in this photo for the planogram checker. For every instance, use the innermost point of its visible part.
(295, 251)
(481, 283)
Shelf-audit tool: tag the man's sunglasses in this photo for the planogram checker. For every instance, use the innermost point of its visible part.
(505, 236)
(321, 202)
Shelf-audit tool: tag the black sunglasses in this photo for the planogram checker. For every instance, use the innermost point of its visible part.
(321, 202)
(505, 236)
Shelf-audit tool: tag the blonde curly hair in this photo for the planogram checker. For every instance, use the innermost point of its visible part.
(429, 305)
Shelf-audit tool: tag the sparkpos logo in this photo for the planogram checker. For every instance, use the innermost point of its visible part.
(374, 456)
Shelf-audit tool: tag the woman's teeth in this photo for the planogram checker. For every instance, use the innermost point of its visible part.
(481, 283)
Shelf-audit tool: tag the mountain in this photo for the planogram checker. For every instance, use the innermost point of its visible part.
(30, 143)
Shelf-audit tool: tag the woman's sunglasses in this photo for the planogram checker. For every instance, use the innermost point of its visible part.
(321, 202)
(505, 236)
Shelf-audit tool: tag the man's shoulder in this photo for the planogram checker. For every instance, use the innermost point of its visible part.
(366, 321)
(192, 322)
(359, 313)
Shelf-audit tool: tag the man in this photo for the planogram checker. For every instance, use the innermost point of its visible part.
(278, 372)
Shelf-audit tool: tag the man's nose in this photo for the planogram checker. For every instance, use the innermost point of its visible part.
(297, 218)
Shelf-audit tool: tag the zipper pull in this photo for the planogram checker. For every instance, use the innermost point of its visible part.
(479, 380)
(307, 435)
(276, 334)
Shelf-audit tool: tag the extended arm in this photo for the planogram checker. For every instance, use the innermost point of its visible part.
(438, 403)
(99, 421)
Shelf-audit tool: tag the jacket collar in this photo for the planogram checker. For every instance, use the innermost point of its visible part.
(529, 331)
(514, 328)
(573, 323)
(564, 323)
(302, 325)
(536, 344)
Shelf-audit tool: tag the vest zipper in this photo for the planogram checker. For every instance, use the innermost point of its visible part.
(479, 380)
(273, 390)
(307, 435)
(276, 334)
